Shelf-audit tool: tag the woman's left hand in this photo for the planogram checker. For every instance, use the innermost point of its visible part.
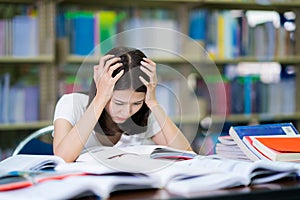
(149, 68)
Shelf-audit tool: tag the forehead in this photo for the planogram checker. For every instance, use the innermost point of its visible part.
(128, 95)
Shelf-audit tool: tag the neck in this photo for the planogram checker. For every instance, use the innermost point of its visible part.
(108, 140)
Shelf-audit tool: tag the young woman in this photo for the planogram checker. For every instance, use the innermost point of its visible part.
(121, 109)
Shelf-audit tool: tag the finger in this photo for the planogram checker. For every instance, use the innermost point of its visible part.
(147, 66)
(146, 71)
(111, 62)
(149, 61)
(97, 71)
(114, 67)
(146, 83)
(103, 59)
(118, 76)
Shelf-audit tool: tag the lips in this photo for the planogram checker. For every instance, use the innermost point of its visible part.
(119, 119)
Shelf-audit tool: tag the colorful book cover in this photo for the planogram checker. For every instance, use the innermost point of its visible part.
(25, 34)
(2, 37)
(31, 103)
(278, 148)
(281, 144)
(239, 132)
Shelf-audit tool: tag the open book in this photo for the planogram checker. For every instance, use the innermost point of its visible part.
(30, 163)
(171, 153)
(24, 176)
(196, 174)
(231, 173)
(114, 169)
(81, 186)
(150, 151)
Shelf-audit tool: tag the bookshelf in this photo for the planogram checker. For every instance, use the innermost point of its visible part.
(41, 61)
(182, 7)
(49, 57)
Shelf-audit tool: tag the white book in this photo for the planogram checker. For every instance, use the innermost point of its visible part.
(119, 170)
(236, 173)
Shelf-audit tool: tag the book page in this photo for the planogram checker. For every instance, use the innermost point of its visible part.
(208, 182)
(24, 162)
(74, 187)
(246, 169)
(103, 152)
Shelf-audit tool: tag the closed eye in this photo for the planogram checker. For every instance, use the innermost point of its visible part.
(119, 103)
(138, 103)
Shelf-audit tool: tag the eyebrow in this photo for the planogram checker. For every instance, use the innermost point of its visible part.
(126, 102)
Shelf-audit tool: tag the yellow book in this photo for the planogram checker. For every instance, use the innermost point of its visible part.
(220, 36)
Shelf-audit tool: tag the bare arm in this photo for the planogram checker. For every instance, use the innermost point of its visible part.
(170, 134)
(69, 140)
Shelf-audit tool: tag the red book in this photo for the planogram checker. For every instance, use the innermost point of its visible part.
(20, 179)
(282, 144)
(278, 148)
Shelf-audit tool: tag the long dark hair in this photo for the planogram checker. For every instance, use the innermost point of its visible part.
(131, 59)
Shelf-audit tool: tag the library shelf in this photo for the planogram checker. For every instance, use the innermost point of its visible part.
(174, 60)
(25, 125)
(43, 59)
(238, 118)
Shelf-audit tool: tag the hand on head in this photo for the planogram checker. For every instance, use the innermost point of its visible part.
(103, 78)
(149, 68)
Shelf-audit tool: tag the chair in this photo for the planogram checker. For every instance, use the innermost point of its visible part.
(33, 145)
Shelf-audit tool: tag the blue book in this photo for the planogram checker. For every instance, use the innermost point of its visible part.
(31, 103)
(247, 95)
(237, 95)
(84, 35)
(197, 30)
(25, 36)
(239, 132)
(5, 98)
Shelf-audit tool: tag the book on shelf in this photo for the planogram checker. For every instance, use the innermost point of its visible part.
(278, 148)
(238, 133)
(24, 35)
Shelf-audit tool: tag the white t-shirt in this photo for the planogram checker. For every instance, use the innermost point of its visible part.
(72, 106)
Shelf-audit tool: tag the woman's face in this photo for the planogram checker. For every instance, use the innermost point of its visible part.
(124, 104)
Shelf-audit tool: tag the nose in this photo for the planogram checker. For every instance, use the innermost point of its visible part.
(127, 110)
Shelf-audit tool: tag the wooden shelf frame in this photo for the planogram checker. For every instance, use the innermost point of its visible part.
(25, 126)
(239, 118)
(176, 60)
(211, 4)
(28, 60)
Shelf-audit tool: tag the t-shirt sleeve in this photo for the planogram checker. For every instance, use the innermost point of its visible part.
(66, 108)
(153, 126)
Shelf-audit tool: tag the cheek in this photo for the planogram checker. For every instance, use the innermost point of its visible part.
(136, 109)
(110, 108)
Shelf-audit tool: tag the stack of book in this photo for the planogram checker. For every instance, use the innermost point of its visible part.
(277, 142)
(228, 148)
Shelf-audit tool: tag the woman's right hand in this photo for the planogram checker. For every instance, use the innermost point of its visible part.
(103, 75)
